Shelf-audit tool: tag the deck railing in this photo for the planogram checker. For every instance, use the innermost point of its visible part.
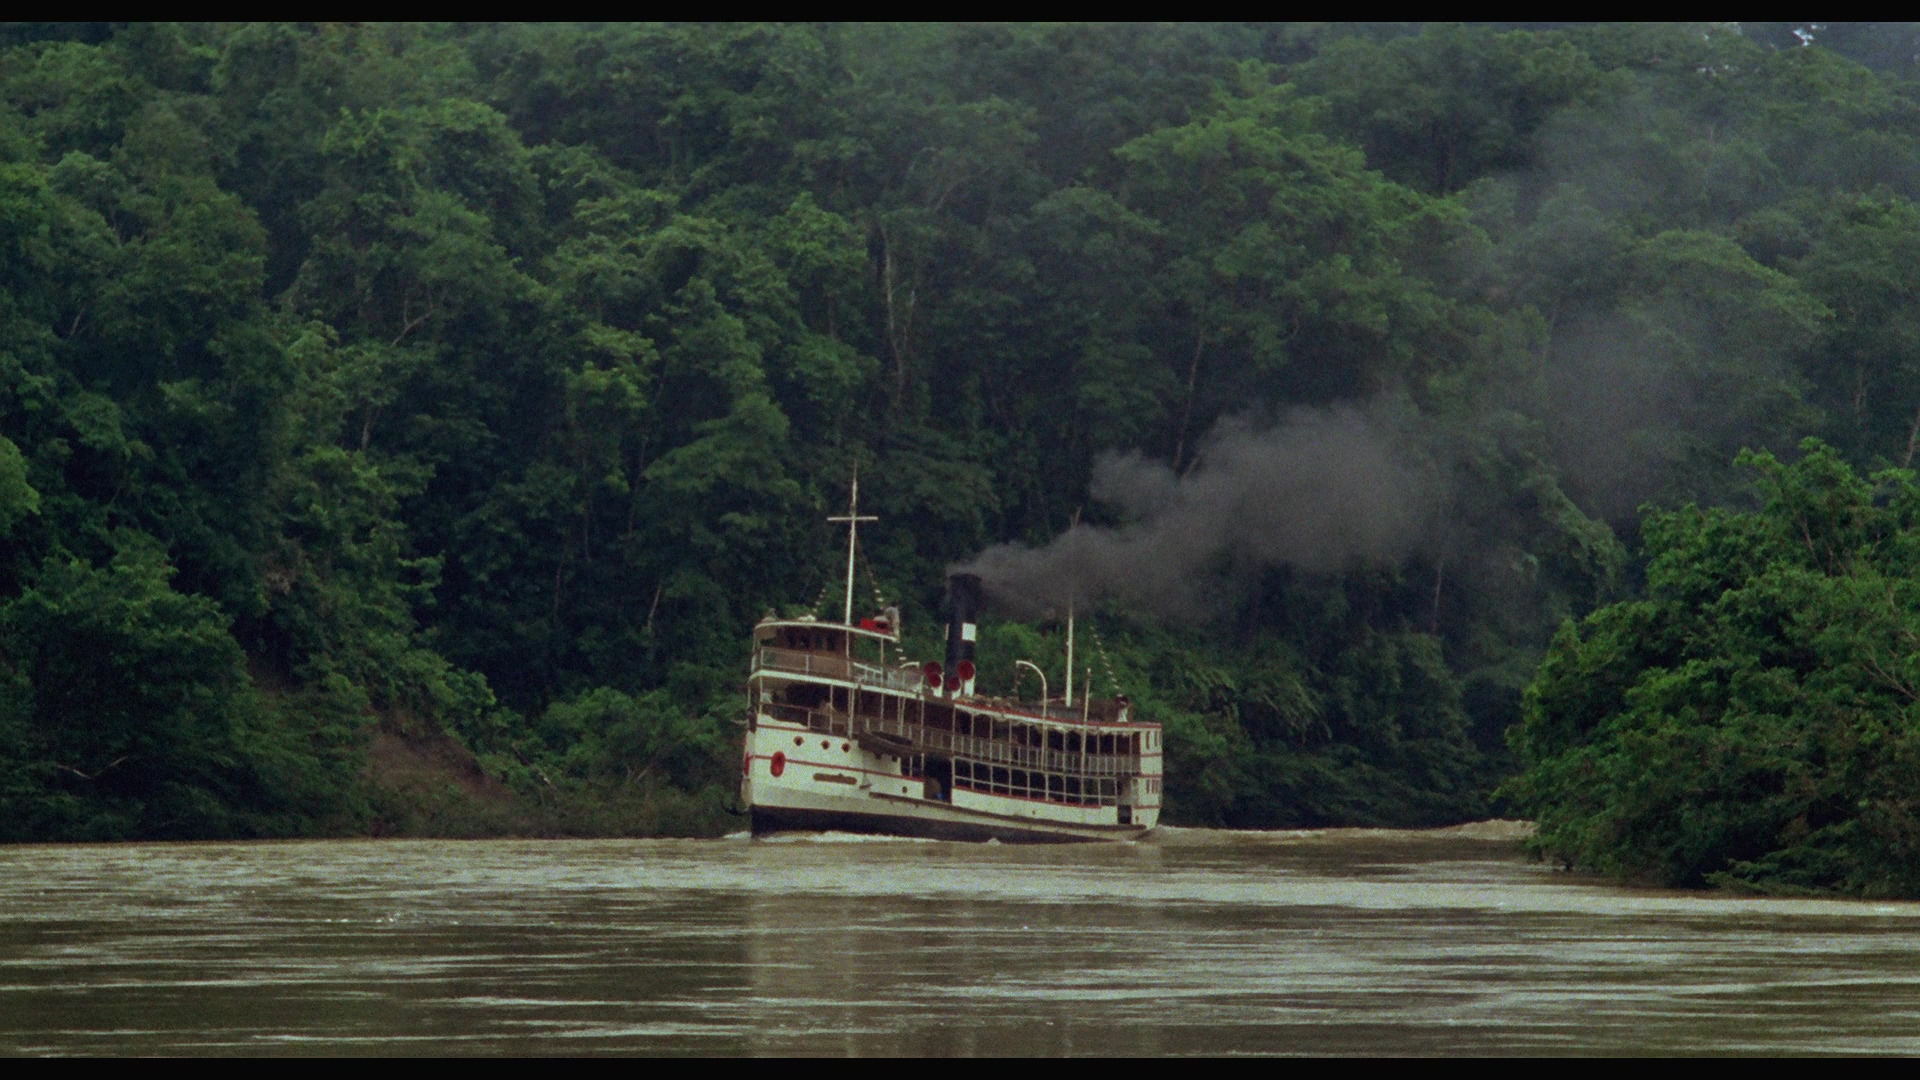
(921, 739)
(930, 740)
(910, 680)
(836, 667)
(823, 721)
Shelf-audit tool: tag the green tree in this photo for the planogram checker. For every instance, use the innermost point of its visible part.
(1280, 277)
(1453, 104)
(1866, 268)
(1751, 721)
(126, 708)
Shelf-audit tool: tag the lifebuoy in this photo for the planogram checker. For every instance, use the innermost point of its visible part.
(777, 765)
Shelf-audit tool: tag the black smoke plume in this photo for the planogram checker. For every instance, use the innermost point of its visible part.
(1322, 490)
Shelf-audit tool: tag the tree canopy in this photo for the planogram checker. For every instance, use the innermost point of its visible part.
(477, 386)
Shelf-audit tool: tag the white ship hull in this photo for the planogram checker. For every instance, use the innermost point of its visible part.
(832, 782)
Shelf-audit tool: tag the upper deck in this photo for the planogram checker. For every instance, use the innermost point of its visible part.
(826, 665)
(807, 632)
(850, 659)
(813, 650)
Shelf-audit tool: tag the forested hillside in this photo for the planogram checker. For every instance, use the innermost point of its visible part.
(376, 399)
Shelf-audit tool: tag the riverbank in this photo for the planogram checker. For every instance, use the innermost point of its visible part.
(421, 783)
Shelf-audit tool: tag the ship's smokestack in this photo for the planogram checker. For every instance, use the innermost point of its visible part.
(963, 606)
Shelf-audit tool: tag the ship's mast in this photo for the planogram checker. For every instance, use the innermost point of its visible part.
(853, 520)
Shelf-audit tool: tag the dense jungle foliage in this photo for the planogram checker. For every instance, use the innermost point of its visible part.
(378, 396)
(1751, 720)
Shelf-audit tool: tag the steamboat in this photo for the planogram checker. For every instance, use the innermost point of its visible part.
(845, 733)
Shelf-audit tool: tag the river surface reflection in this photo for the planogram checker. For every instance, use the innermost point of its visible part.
(1196, 942)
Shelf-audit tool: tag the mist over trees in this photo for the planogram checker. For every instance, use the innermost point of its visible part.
(477, 387)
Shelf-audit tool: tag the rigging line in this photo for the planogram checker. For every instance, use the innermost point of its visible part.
(1106, 661)
(812, 576)
(873, 582)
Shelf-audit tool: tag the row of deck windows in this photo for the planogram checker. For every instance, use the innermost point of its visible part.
(999, 780)
(823, 707)
(1019, 734)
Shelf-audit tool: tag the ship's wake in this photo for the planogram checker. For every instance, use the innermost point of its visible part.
(834, 837)
(1495, 830)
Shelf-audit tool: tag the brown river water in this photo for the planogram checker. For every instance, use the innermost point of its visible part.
(1193, 942)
